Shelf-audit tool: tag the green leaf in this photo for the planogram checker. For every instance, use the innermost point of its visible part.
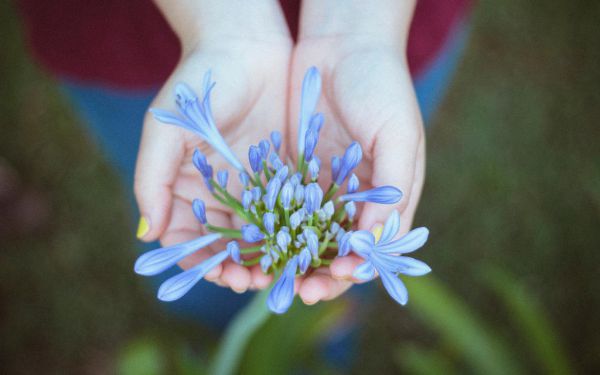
(142, 357)
(461, 329)
(238, 334)
(530, 320)
(287, 342)
(420, 361)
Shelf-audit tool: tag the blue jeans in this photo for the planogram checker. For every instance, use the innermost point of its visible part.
(114, 118)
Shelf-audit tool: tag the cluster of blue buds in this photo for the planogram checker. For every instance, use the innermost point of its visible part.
(293, 226)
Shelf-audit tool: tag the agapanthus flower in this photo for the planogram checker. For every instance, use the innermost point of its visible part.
(386, 256)
(196, 116)
(292, 224)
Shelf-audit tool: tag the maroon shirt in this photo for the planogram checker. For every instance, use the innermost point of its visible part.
(128, 44)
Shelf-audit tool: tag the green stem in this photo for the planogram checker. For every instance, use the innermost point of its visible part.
(251, 262)
(250, 250)
(227, 232)
(326, 262)
(238, 334)
(266, 170)
(333, 188)
(258, 182)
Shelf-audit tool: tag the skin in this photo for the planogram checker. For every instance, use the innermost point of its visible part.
(367, 97)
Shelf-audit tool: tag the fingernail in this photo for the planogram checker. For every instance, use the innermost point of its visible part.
(239, 290)
(143, 227)
(377, 230)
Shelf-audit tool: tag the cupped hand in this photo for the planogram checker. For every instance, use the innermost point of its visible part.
(368, 97)
(248, 102)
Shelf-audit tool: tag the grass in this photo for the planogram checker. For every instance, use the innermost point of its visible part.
(513, 180)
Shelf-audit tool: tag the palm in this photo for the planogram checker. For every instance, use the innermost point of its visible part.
(367, 97)
(248, 103)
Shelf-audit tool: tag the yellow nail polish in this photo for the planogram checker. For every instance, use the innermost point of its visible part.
(377, 231)
(143, 227)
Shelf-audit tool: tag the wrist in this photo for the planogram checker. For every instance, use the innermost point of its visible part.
(212, 21)
(383, 22)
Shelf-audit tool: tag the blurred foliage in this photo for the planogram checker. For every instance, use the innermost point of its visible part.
(465, 337)
(513, 181)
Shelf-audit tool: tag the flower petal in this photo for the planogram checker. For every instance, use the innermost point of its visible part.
(411, 241)
(394, 286)
(412, 267)
(169, 118)
(282, 295)
(155, 261)
(390, 228)
(362, 242)
(364, 271)
(177, 286)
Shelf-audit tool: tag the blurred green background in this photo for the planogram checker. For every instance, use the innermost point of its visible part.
(512, 200)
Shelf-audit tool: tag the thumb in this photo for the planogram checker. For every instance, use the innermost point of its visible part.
(159, 158)
(394, 162)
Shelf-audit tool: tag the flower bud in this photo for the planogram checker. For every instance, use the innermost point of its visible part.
(222, 177)
(313, 196)
(254, 158)
(276, 140)
(234, 252)
(269, 222)
(251, 233)
(199, 210)
(286, 195)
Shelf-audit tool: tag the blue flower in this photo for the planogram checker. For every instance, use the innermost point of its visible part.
(353, 184)
(312, 242)
(200, 162)
(283, 239)
(386, 256)
(296, 218)
(335, 166)
(222, 177)
(264, 147)
(299, 193)
(196, 116)
(304, 259)
(244, 178)
(313, 168)
(156, 261)
(312, 136)
(328, 209)
(282, 173)
(282, 295)
(286, 195)
(233, 248)
(256, 193)
(269, 222)
(177, 286)
(246, 199)
(350, 209)
(255, 159)
(313, 195)
(275, 161)
(199, 210)
(265, 262)
(270, 197)
(343, 239)
(276, 140)
(351, 159)
(251, 233)
(381, 194)
(311, 90)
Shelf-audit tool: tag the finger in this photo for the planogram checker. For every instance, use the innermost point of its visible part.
(184, 226)
(394, 162)
(321, 286)
(259, 279)
(156, 169)
(236, 276)
(342, 268)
